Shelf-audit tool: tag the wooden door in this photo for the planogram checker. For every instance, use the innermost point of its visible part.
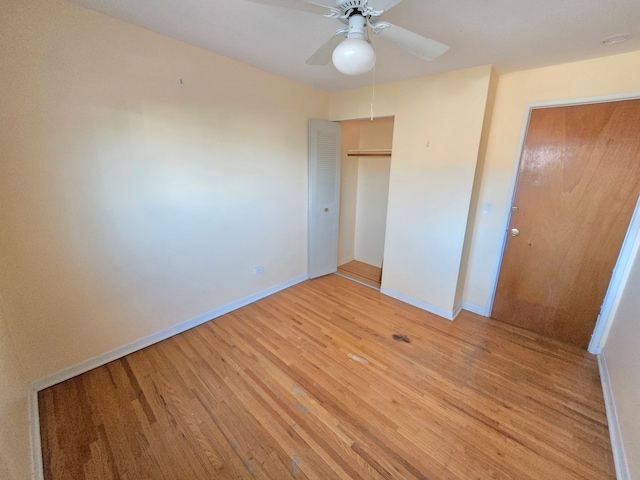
(577, 187)
(324, 196)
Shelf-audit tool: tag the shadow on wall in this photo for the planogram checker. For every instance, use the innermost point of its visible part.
(4, 469)
(14, 425)
(14, 440)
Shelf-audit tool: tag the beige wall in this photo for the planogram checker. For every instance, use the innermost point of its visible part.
(15, 457)
(475, 197)
(348, 192)
(373, 191)
(130, 201)
(621, 354)
(376, 134)
(371, 216)
(436, 139)
(603, 76)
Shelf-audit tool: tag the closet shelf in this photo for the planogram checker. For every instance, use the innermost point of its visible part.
(377, 152)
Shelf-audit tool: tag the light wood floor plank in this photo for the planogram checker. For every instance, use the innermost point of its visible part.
(310, 384)
(362, 272)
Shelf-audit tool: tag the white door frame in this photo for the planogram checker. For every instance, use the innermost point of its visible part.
(630, 246)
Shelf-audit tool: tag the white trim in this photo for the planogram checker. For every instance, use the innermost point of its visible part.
(621, 271)
(441, 312)
(37, 467)
(617, 445)
(602, 324)
(456, 311)
(102, 359)
(584, 100)
(483, 311)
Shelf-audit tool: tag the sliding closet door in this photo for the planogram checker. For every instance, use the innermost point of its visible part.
(324, 196)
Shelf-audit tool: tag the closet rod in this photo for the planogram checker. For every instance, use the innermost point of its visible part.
(369, 153)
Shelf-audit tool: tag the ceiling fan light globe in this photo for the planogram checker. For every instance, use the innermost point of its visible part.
(354, 57)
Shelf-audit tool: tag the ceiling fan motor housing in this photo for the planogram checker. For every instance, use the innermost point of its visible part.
(349, 4)
(348, 8)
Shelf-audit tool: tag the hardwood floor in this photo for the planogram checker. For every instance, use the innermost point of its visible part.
(362, 272)
(309, 383)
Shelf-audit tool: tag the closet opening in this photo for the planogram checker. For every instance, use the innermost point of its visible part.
(364, 193)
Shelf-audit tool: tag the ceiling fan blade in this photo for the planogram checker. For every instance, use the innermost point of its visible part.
(324, 53)
(383, 5)
(411, 42)
(295, 5)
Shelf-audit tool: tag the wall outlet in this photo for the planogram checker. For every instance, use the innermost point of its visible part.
(258, 270)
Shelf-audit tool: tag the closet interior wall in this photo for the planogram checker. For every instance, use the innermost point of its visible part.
(364, 191)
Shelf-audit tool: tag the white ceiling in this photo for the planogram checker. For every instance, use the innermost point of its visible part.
(510, 34)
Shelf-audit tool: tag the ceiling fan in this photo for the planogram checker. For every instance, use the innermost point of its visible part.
(354, 55)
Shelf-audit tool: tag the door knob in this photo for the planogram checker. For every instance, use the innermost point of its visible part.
(326, 210)
(515, 232)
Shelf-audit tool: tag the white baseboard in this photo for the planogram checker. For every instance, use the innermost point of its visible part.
(456, 311)
(90, 364)
(617, 445)
(441, 312)
(484, 311)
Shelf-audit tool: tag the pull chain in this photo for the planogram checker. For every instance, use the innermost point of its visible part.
(373, 75)
(373, 91)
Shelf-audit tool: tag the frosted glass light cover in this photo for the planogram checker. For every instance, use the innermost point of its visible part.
(354, 57)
